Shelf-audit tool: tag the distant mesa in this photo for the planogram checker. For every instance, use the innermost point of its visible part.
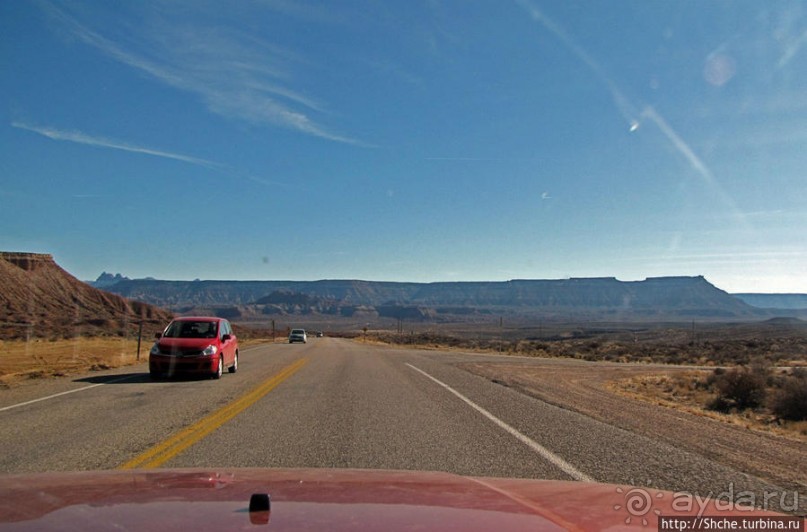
(783, 320)
(602, 298)
(605, 298)
(40, 299)
(287, 297)
(775, 301)
(107, 279)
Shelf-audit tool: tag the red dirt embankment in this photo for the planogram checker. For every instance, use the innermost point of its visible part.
(40, 299)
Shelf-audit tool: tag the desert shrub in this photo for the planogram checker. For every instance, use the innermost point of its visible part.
(739, 388)
(673, 358)
(710, 379)
(764, 368)
(719, 404)
(790, 402)
(701, 383)
(777, 380)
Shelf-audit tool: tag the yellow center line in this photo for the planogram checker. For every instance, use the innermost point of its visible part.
(166, 450)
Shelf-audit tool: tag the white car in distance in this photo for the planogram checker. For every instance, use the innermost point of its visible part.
(297, 335)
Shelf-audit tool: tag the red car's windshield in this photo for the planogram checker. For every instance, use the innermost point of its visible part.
(192, 329)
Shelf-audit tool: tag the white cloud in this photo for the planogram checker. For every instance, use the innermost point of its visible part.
(792, 48)
(101, 142)
(235, 75)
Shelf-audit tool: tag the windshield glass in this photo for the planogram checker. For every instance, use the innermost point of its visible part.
(536, 239)
(191, 329)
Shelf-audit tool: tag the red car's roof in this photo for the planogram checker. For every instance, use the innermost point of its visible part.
(323, 499)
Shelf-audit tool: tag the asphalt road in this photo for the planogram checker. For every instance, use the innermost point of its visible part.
(335, 403)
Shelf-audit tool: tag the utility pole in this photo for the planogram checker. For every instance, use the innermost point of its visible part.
(501, 333)
(139, 336)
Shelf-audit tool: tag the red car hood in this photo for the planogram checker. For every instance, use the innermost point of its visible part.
(324, 499)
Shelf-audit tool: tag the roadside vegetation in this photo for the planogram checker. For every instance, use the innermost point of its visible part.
(40, 358)
(661, 347)
(758, 396)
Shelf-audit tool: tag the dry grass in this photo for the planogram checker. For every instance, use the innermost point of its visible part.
(664, 347)
(688, 391)
(37, 359)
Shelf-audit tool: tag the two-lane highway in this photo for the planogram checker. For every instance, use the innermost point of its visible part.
(363, 407)
(336, 403)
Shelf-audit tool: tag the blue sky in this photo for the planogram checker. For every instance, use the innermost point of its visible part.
(408, 141)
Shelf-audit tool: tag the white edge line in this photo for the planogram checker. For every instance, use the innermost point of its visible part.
(32, 401)
(556, 460)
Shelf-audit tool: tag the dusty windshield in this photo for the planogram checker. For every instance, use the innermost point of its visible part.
(538, 239)
(191, 329)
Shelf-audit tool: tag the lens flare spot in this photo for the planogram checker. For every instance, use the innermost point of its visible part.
(719, 69)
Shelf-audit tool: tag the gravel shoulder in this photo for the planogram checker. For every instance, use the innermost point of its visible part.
(583, 387)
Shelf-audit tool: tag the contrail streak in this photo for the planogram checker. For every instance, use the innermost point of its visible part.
(629, 111)
(101, 142)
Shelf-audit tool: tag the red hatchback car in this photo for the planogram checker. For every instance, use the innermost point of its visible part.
(197, 345)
